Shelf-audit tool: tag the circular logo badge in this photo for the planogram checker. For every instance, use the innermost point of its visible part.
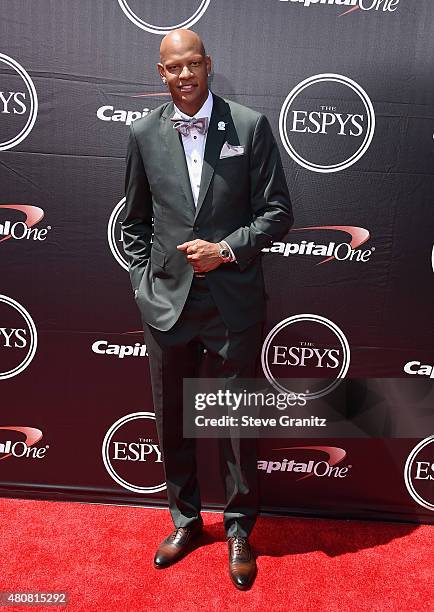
(327, 123)
(131, 453)
(305, 349)
(18, 103)
(198, 12)
(419, 473)
(18, 338)
(114, 234)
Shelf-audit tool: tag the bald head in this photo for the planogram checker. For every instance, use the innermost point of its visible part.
(184, 68)
(179, 42)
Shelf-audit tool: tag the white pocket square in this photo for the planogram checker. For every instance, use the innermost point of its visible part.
(231, 150)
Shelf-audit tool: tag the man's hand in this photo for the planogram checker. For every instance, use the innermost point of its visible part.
(202, 255)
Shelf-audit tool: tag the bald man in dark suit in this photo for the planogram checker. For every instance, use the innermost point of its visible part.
(205, 193)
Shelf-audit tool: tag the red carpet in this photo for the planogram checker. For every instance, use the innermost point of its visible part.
(103, 556)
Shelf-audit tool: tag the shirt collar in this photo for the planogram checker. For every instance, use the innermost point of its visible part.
(204, 111)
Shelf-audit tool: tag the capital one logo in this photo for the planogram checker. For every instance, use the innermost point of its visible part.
(140, 13)
(327, 251)
(19, 229)
(18, 338)
(112, 115)
(131, 453)
(416, 367)
(313, 463)
(419, 473)
(18, 103)
(365, 5)
(11, 447)
(305, 349)
(120, 351)
(327, 123)
(109, 114)
(114, 234)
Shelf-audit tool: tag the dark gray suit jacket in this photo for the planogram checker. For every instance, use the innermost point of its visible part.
(243, 200)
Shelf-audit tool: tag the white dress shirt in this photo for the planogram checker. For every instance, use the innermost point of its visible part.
(194, 145)
(194, 149)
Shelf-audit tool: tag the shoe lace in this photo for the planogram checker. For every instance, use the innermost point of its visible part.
(177, 532)
(240, 545)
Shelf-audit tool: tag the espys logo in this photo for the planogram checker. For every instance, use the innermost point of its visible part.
(305, 346)
(385, 6)
(135, 11)
(18, 103)
(114, 234)
(327, 123)
(321, 468)
(338, 251)
(419, 473)
(10, 447)
(18, 229)
(18, 338)
(131, 456)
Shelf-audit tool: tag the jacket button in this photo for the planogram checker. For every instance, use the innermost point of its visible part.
(196, 228)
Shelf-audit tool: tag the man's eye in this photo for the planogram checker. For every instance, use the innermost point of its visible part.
(195, 64)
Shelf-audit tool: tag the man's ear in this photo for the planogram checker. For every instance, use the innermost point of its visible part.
(160, 69)
(208, 62)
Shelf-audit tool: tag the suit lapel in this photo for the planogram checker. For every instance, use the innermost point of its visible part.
(176, 153)
(214, 142)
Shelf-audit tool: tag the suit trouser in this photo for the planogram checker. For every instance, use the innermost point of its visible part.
(177, 354)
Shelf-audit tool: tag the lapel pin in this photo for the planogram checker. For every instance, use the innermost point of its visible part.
(221, 125)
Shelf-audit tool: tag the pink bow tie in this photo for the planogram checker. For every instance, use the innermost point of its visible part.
(184, 125)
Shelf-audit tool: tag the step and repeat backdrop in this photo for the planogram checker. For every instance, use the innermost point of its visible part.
(347, 87)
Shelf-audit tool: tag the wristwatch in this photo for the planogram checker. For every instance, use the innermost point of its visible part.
(224, 253)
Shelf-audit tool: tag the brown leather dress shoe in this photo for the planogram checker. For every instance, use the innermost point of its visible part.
(176, 545)
(242, 564)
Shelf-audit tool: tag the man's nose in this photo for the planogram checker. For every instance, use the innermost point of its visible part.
(185, 73)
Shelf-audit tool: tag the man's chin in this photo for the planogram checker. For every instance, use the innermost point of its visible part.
(191, 100)
(190, 96)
